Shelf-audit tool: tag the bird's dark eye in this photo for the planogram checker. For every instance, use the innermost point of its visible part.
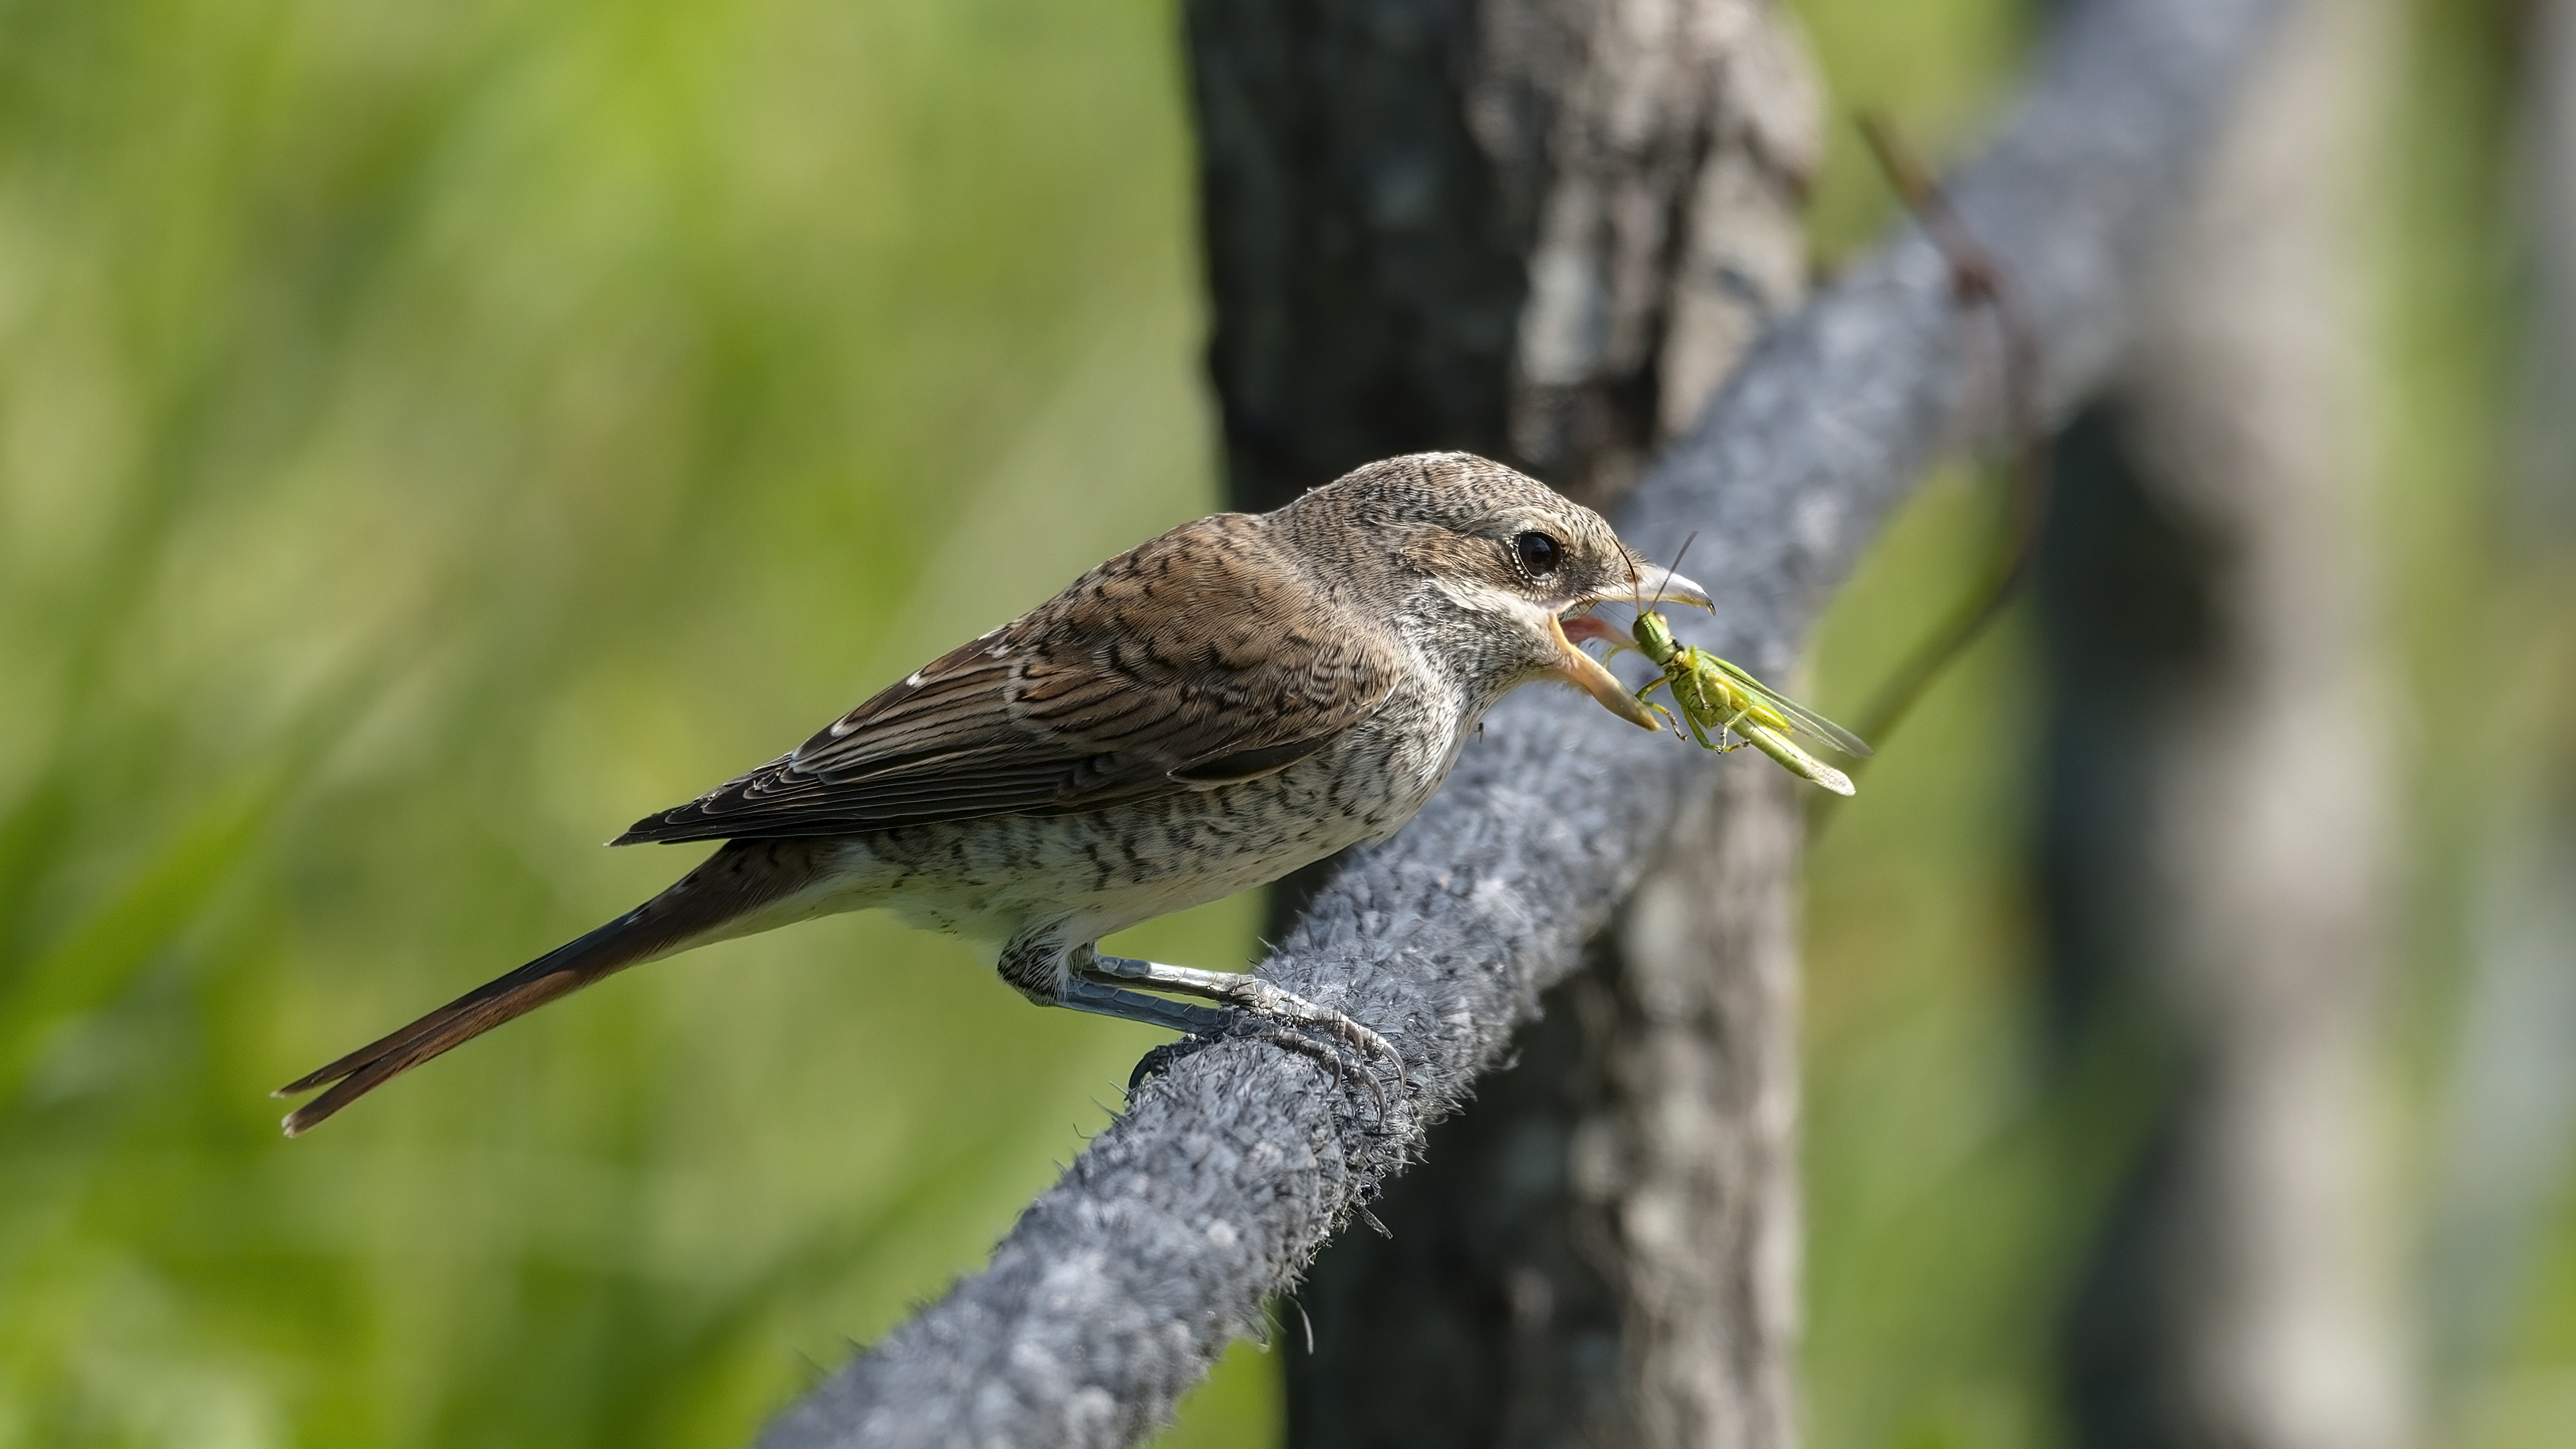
(1538, 552)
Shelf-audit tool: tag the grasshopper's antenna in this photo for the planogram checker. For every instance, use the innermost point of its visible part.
(1669, 570)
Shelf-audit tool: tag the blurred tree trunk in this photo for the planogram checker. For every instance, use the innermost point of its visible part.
(2217, 831)
(1541, 230)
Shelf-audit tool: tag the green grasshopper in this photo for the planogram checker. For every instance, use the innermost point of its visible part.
(1717, 696)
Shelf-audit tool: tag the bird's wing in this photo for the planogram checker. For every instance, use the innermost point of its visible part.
(1197, 658)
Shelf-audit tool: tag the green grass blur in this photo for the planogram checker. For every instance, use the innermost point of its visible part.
(435, 435)
(431, 436)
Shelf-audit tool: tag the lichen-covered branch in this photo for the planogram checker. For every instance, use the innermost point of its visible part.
(1121, 1284)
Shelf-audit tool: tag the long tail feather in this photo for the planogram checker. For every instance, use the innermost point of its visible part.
(733, 884)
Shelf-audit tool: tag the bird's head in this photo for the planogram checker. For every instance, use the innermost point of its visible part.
(1479, 564)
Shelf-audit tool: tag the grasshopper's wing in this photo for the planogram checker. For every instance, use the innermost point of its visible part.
(1182, 664)
(1809, 722)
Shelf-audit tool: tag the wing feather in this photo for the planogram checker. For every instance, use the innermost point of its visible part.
(1197, 658)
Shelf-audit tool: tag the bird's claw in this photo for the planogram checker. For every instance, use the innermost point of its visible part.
(1248, 1026)
(1159, 1060)
(1254, 1028)
(1263, 1012)
(1261, 1000)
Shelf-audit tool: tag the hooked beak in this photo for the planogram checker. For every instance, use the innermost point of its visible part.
(1654, 582)
(1585, 673)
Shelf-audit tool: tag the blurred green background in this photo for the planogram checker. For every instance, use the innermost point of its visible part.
(433, 435)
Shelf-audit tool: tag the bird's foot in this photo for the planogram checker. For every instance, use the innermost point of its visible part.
(1246, 1027)
(1327, 1052)
(1261, 1012)
(1250, 995)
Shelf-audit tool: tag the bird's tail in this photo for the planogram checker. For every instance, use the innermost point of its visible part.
(724, 897)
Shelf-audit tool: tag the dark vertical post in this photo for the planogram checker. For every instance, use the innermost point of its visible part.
(1533, 231)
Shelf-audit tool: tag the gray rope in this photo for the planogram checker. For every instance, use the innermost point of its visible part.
(1121, 1284)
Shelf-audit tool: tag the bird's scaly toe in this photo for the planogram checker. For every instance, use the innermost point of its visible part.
(1255, 1028)
(1271, 1002)
(1256, 999)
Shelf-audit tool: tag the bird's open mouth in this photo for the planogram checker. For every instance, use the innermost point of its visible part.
(1585, 673)
(1653, 583)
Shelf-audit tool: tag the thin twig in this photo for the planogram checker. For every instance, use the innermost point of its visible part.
(1976, 279)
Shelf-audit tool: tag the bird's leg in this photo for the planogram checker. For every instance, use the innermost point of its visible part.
(1248, 994)
(1205, 1021)
(1136, 1006)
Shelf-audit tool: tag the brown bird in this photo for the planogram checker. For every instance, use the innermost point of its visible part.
(1203, 713)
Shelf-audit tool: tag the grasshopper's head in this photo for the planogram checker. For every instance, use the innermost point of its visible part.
(1654, 636)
